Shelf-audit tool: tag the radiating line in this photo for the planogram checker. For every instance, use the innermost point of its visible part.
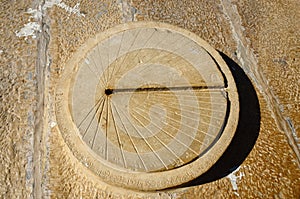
(106, 126)
(196, 101)
(118, 136)
(164, 94)
(139, 49)
(188, 98)
(162, 39)
(166, 146)
(102, 66)
(94, 65)
(170, 104)
(97, 70)
(98, 122)
(166, 53)
(191, 112)
(125, 57)
(135, 148)
(177, 122)
(170, 135)
(153, 32)
(92, 119)
(109, 78)
(158, 43)
(129, 49)
(92, 71)
(90, 111)
(145, 140)
(218, 127)
(155, 56)
(163, 98)
(108, 62)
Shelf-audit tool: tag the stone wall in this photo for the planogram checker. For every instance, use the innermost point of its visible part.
(38, 38)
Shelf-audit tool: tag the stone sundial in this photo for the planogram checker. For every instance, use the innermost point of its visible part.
(147, 106)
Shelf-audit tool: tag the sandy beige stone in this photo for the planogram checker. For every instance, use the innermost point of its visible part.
(261, 36)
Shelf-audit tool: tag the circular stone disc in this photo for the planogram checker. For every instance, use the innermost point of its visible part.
(147, 105)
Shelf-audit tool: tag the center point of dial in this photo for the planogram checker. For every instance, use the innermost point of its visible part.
(108, 91)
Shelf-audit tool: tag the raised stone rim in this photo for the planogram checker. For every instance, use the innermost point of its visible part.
(139, 180)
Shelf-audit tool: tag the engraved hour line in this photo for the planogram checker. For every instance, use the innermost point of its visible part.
(96, 68)
(170, 105)
(135, 148)
(118, 136)
(189, 111)
(176, 41)
(98, 122)
(154, 152)
(148, 61)
(191, 118)
(99, 54)
(106, 125)
(188, 98)
(166, 146)
(199, 108)
(108, 59)
(85, 132)
(109, 78)
(181, 124)
(107, 48)
(202, 91)
(198, 113)
(102, 67)
(128, 50)
(155, 56)
(168, 52)
(173, 137)
(98, 106)
(90, 111)
(139, 50)
(142, 48)
(92, 71)
(144, 62)
(183, 105)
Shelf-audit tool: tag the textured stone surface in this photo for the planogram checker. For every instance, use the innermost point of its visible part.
(17, 101)
(275, 40)
(261, 36)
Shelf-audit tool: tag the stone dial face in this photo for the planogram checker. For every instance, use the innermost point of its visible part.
(146, 98)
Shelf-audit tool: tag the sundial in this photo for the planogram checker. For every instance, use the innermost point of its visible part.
(147, 105)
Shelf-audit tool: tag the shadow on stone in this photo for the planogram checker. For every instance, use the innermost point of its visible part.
(246, 133)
